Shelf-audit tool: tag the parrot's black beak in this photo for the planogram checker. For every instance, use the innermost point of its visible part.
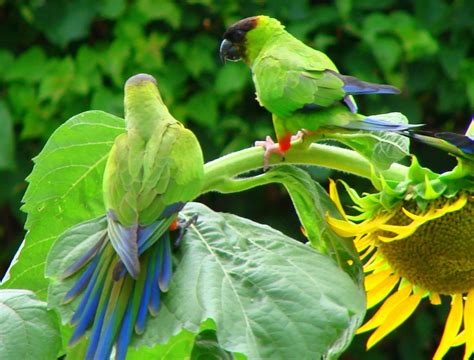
(228, 51)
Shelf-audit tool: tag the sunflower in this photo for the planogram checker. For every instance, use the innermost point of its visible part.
(416, 239)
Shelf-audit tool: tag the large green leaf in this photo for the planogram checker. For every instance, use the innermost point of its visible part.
(29, 330)
(65, 189)
(312, 204)
(269, 295)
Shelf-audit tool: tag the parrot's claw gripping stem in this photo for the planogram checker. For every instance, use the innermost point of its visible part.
(270, 148)
(182, 227)
(299, 135)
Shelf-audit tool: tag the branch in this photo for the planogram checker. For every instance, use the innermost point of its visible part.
(220, 174)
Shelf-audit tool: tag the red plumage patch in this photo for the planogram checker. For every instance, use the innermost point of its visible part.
(285, 142)
(174, 225)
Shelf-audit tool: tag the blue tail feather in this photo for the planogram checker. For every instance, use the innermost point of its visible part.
(85, 320)
(83, 281)
(165, 275)
(154, 304)
(88, 311)
(355, 86)
(95, 334)
(112, 313)
(87, 297)
(144, 301)
(107, 334)
(124, 241)
(125, 333)
(463, 142)
(83, 259)
(374, 124)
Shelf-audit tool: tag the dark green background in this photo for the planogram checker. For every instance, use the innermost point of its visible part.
(59, 58)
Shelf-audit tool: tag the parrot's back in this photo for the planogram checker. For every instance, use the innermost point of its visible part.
(143, 177)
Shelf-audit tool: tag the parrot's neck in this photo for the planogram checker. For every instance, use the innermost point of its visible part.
(143, 113)
(259, 37)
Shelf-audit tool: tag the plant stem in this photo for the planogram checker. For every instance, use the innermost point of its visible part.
(226, 168)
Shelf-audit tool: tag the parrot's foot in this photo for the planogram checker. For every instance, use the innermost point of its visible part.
(182, 227)
(299, 135)
(270, 148)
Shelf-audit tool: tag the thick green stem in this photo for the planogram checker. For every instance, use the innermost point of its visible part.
(220, 173)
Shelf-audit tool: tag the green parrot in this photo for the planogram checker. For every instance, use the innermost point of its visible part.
(300, 86)
(152, 170)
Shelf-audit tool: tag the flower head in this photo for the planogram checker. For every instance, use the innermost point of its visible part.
(417, 241)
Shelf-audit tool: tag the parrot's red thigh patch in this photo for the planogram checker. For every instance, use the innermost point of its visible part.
(174, 225)
(285, 142)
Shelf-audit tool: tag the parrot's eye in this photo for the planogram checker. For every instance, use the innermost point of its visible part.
(239, 36)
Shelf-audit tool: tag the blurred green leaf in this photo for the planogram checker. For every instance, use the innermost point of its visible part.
(451, 59)
(167, 10)
(7, 145)
(114, 60)
(63, 21)
(230, 78)
(417, 42)
(22, 98)
(61, 73)
(33, 125)
(30, 66)
(344, 7)
(111, 9)
(198, 55)
(111, 102)
(387, 51)
(202, 108)
(6, 61)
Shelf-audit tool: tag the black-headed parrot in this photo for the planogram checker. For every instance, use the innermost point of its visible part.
(299, 85)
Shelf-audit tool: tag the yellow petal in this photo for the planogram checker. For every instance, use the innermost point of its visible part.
(334, 195)
(382, 313)
(374, 279)
(363, 241)
(401, 231)
(435, 299)
(453, 324)
(397, 316)
(379, 293)
(342, 227)
(469, 324)
(374, 263)
(460, 339)
(367, 252)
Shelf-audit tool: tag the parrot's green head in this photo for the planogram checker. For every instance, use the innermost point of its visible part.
(141, 86)
(244, 39)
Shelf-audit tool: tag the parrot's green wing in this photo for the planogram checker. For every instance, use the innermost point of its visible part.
(283, 88)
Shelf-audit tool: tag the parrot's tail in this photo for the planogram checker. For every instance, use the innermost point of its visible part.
(374, 124)
(354, 86)
(114, 304)
(456, 144)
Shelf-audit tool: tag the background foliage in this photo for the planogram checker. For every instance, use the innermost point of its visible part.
(59, 58)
